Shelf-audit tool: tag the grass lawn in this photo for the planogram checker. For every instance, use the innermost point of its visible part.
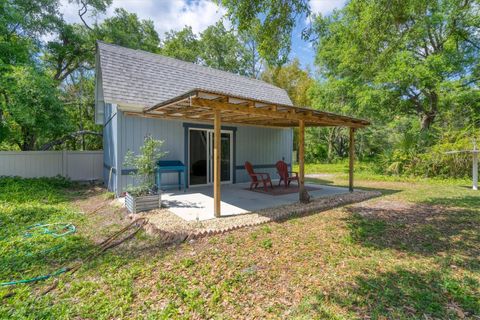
(412, 253)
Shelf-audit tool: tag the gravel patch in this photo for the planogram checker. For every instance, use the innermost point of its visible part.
(171, 228)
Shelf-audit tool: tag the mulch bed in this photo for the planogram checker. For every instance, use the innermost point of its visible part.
(281, 190)
(172, 229)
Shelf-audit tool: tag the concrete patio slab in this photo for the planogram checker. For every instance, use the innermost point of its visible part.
(196, 204)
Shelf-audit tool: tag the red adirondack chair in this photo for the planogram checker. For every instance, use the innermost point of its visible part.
(257, 177)
(285, 175)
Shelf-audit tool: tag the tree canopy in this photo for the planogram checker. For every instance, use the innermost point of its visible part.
(291, 77)
(46, 64)
(216, 47)
(411, 67)
(270, 22)
(410, 55)
(127, 30)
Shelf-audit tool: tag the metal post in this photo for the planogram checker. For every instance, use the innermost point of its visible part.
(475, 170)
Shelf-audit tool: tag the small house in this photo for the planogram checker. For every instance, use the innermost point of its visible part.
(195, 110)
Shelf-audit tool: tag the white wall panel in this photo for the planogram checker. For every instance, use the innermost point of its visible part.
(76, 165)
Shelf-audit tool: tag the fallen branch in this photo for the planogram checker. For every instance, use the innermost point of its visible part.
(73, 135)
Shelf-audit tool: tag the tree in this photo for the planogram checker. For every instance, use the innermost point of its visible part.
(95, 6)
(253, 61)
(345, 97)
(407, 54)
(34, 73)
(71, 56)
(20, 24)
(215, 47)
(183, 45)
(79, 101)
(271, 23)
(297, 82)
(72, 50)
(293, 79)
(125, 29)
(22, 85)
(31, 108)
(222, 49)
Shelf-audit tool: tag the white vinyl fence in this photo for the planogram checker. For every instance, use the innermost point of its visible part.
(76, 165)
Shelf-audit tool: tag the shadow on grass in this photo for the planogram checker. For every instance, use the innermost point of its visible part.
(25, 256)
(382, 190)
(25, 203)
(419, 228)
(465, 202)
(401, 294)
(14, 190)
(19, 217)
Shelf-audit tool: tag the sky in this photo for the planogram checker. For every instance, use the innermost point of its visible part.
(199, 14)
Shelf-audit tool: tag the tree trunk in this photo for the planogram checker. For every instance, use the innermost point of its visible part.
(427, 120)
(428, 116)
(28, 140)
(331, 144)
(72, 136)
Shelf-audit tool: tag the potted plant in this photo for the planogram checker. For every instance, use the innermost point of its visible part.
(144, 194)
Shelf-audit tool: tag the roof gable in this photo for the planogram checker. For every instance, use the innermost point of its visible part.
(142, 79)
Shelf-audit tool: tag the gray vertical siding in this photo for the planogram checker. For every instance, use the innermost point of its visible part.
(135, 129)
(261, 146)
(110, 146)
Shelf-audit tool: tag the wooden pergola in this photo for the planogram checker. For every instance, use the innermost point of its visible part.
(217, 107)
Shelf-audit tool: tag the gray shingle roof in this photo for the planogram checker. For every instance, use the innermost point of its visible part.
(143, 79)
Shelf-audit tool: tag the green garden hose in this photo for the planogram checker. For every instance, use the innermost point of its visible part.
(112, 241)
(68, 227)
(59, 230)
(44, 277)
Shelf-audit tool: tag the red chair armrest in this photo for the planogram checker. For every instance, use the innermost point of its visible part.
(263, 174)
(260, 174)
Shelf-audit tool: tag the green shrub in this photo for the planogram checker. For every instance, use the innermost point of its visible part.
(407, 158)
(144, 165)
(436, 162)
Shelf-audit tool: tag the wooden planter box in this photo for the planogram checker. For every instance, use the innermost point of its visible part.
(143, 203)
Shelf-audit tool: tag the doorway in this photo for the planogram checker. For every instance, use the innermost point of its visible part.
(201, 156)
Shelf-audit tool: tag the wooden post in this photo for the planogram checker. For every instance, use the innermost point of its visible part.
(351, 159)
(303, 195)
(217, 136)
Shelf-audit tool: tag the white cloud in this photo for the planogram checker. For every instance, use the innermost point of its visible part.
(325, 7)
(166, 14)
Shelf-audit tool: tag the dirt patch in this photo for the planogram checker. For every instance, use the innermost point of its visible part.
(412, 227)
(104, 213)
(397, 211)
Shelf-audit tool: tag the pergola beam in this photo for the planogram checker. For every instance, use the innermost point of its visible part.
(290, 114)
(212, 99)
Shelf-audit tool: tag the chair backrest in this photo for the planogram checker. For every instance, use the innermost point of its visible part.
(282, 169)
(249, 168)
